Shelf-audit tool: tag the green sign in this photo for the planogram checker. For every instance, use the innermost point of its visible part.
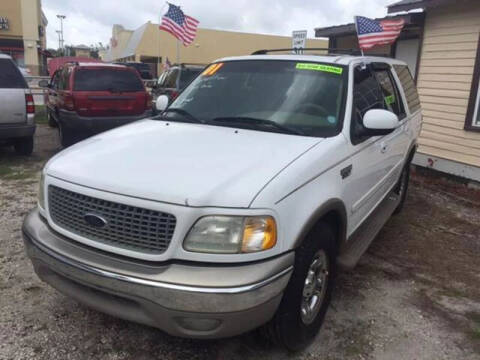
(320, 67)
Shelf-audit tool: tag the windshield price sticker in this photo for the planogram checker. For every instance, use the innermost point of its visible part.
(320, 67)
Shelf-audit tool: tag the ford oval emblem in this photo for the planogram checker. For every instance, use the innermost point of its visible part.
(94, 220)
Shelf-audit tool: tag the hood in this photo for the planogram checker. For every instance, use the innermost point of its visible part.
(185, 164)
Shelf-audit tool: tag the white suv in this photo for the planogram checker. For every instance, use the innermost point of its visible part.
(234, 207)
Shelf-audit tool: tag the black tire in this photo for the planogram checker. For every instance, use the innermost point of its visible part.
(287, 328)
(51, 120)
(66, 137)
(402, 188)
(24, 146)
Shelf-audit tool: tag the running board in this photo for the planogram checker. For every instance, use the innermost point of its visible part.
(366, 233)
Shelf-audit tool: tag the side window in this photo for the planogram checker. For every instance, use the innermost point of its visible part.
(409, 87)
(367, 95)
(63, 83)
(391, 96)
(171, 79)
(55, 79)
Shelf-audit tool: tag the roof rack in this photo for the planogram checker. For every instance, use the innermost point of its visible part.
(330, 51)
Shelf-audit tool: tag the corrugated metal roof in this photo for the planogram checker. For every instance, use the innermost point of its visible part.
(405, 2)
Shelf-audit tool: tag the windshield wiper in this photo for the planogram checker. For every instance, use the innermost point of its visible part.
(185, 114)
(254, 121)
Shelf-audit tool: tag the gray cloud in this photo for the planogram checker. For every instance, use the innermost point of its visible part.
(90, 21)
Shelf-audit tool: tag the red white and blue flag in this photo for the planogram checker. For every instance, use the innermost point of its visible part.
(377, 32)
(183, 27)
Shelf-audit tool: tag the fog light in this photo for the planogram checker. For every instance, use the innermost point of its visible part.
(197, 324)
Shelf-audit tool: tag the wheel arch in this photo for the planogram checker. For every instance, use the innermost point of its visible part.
(334, 213)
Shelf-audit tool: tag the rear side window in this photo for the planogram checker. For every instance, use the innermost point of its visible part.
(409, 87)
(107, 80)
(187, 75)
(391, 96)
(10, 76)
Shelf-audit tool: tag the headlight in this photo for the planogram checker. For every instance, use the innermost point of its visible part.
(41, 192)
(232, 234)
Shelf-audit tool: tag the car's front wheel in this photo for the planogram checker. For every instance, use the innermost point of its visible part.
(308, 294)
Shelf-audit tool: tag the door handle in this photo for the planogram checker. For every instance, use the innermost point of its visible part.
(383, 147)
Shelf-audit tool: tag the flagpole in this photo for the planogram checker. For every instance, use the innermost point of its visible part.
(159, 42)
(178, 52)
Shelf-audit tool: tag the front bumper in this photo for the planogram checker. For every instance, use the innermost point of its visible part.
(198, 301)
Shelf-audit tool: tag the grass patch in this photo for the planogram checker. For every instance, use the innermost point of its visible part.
(5, 170)
(10, 173)
(40, 114)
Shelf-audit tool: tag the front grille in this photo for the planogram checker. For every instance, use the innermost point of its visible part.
(127, 227)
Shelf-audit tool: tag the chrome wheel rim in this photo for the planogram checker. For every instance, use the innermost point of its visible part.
(314, 288)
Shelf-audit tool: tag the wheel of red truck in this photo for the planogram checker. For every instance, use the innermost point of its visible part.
(66, 138)
(24, 146)
(308, 293)
(402, 187)
(51, 121)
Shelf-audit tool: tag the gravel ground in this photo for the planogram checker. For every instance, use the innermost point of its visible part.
(414, 295)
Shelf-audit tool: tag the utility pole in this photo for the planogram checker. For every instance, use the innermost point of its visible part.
(61, 43)
(59, 39)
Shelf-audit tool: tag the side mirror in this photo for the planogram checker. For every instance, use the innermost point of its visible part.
(43, 83)
(380, 122)
(161, 103)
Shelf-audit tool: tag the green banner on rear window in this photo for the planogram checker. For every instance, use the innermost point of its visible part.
(320, 67)
(389, 100)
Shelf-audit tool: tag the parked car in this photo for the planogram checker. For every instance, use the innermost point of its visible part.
(172, 81)
(234, 207)
(143, 69)
(17, 125)
(84, 99)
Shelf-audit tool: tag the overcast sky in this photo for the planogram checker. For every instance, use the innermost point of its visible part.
(90, 21)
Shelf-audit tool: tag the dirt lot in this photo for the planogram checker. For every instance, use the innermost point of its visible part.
(414, 295)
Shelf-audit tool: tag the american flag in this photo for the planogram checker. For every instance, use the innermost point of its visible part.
(183, 27)
(373, 32)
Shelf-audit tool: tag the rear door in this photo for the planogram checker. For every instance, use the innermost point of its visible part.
(12, 94)
(108, 92)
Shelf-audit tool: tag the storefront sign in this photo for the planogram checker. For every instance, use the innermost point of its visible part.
(3, 23)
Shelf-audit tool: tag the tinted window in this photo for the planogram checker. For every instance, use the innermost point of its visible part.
(107, 80)
(391, 96)
(10, 76)
(408, 87)
(307, 98)
(55, 79)
(187, 75)
(367, 95)
(63, 79)
(171, 79)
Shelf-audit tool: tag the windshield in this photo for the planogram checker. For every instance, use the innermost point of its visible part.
(187, 75)
(307, 98)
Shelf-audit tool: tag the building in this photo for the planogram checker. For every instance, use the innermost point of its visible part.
(440, 43)
(150, 45)
(78, 51)
(23, 33)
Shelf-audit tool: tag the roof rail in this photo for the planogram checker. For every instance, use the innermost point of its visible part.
(300, 50)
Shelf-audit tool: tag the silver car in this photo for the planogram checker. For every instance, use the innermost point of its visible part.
(17, 125)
